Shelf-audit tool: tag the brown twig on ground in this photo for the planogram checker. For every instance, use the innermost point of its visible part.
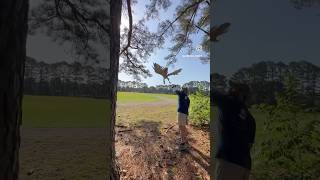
(121, 126)
(125, 130)
(170, 127)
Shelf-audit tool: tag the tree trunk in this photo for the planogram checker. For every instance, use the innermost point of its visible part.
(212, 127)
(13, 35)
(115, 11)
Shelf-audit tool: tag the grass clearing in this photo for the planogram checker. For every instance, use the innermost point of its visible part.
(124, 97)
(53, 111)
(82, 112)
(134, 115)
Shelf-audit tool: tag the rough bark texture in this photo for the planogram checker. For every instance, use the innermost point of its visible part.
(13, 34)
(115, 11)
(212, 128)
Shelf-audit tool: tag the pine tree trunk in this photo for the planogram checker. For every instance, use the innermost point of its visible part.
(13, 33)
(212, 128)
(115, 11)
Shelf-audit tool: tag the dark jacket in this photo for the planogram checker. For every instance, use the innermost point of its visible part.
(235, 128)
(183, 102)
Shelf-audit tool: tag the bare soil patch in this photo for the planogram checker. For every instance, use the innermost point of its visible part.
(149, 152)
(62, 154)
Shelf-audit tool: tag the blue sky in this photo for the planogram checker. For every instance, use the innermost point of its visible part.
(265, 30)
(192, 68)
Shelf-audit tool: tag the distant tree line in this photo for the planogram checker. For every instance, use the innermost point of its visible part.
(161, 89)
(266, 80)
(64, 79)
(76, 79)
(133, 86)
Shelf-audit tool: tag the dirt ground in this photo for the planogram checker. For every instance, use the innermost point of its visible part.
(62, 154)
(149, 153)
(148, 148)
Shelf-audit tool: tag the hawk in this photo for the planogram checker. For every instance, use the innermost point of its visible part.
(217, 31)
(163, 71)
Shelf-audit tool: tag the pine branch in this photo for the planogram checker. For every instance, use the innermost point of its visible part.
(190, 23)
(203, 30)
(180, 15)
(130, 28)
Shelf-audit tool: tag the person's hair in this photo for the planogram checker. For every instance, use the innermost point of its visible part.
(240, 88)
(185, 89)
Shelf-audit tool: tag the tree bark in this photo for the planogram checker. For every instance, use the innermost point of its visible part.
(115, 11)
(13, 35)
(212, 127)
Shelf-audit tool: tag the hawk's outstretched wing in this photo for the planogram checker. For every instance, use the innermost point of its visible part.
(176, 72)
(160, 70)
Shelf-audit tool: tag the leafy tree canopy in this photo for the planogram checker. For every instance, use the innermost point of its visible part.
(85, 25)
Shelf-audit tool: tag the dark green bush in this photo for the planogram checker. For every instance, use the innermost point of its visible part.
(290, 147)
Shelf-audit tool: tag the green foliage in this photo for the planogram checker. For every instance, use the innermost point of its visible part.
(290, 148)
(199, 109)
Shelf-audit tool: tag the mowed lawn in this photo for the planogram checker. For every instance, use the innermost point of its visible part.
(77, 112)
(124, 97)
(80, 112)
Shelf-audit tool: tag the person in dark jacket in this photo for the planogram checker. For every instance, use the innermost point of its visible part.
(183, 112)
(235, 133)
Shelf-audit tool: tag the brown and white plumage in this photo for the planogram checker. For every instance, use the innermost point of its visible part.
(163, 71)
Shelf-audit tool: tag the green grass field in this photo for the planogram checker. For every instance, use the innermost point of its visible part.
(53, 111)
(124, 97)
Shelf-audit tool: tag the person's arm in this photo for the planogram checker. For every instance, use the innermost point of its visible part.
(252, 132)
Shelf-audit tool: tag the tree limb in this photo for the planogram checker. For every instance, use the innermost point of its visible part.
(191, 20)
(181, 14)
(130, 27)
(203, 30)
(76, 13)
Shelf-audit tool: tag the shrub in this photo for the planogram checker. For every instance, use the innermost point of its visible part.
(199, 109)
(291, 145)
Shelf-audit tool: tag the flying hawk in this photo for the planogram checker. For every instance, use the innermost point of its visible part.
(163, 71)
(217, 31)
